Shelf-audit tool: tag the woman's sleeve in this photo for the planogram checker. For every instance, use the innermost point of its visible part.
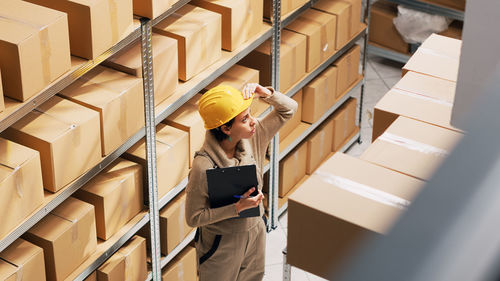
(198, 211)
(284, 109)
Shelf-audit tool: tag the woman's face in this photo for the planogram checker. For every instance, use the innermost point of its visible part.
(243, 126)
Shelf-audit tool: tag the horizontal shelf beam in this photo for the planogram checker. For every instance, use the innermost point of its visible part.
(388, 54)
(67, 191)
(432, 8)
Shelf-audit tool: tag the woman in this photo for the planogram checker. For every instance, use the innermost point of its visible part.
(228, 247)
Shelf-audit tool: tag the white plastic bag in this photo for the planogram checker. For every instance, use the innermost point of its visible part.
(416, 26)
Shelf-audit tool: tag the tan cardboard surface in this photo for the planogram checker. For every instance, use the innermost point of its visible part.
(128, 263)
(295, 121)
(292, 169)
(8, 272)
(34, 44)
(382, 29)
(423, 149)
(342, 12)
(182, 267)
(117, 196)
(315, 95)
(62, 131)
(151, 8)
(443, 45)
(344, 120)
(28, 258)
(173, 226)
(427, 86)
(356, 16)
(92, 277)
(293, 135)
(342, 219)
(165, 66)
(20, 182)
(94, 26)
(119, 99)
(330, 74)
(298, 43)
(198, 35)
(172, 152)
(188, 119)
(67, 235)
(319, 145)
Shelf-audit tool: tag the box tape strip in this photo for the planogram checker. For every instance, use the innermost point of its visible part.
(45, 49)
(432, 52)
(113, 10)
(180, 272)
(423, 97)
(321, 143)
(74, 227)
(413, 145)
(17, 174)
(364, 190)
(71, 126)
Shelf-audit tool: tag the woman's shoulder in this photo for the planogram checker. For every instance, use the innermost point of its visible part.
(201, 162)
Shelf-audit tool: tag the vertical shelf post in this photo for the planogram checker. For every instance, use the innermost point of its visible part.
(149, 108)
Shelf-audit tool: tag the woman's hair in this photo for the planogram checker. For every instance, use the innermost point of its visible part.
(218, 133)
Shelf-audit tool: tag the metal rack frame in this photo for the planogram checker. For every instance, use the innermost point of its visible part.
(143, 32)
(420, 6)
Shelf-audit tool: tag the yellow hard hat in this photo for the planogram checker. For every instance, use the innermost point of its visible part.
(221, 104)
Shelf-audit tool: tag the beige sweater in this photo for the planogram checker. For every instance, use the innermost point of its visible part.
(248, 151)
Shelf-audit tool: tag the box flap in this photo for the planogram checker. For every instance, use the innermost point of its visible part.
(50, 227)
(292, 38)
(72, 209)
(173, 205)
(7, 271)
(332, 6)
(30, 13)
(15, 33)
(237, 76)
(186, 115)
(426, 85)
(432, 63)
(166, 137)
(14, 155)
(20, 252)
(100, 86)
(113, 175)
(131, 245)
(332, 200)
(187, 20)
(443, 44)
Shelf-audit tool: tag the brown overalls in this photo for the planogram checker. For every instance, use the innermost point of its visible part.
(230, 248)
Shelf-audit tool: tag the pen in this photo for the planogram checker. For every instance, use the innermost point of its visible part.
(241, 196)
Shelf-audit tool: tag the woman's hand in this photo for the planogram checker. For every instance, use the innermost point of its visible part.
(258, 90)
(248, 202)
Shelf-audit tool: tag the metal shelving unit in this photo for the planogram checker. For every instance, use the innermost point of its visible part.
(420, 6)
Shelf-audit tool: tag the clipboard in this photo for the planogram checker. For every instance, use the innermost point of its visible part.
(224, 183)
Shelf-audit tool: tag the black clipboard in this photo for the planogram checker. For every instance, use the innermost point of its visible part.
(224, 183)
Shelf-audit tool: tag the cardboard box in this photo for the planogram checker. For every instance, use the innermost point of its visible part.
(2, 103)
(198, 35)
(319, 145)
(344, 123)
(20, 183)
(454, 30)
(67, 236)
(34, 48)
(298, 44)
(336, 223)
(94, 26)
(62, 131)
(382, 30)
(260, 59)
(421, 97)
(292, 169)
(314, 105)
(331, 76)
(342, 12)
(188, 119)
(438, 56)
(173, 226)
(165, 66)
(92, 277)
(128, 263)
(320, 29)
(296, 132)
(348, 69)
(172, 152)
(287, 6)
(412, 147)
(26, 260)
(241, 19)
(291, 124)
(356, 17)
(182, 267)
(151, 8)
(117, 97)
(117, 196)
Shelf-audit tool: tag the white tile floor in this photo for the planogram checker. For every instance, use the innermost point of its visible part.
(381, 74)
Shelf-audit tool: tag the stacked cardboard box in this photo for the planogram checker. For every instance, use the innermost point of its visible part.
(67, 236)
(348, 199)
(117, 196)
(438, 56)
(295, 121)
(344, 124)
(34, 48)
(165, 65)
(182, 267)
(292, 54)
(382, 30)
(22, 261)
(94, 26)
(320, 30)
(287, 6)
(347, 69)
(2, 103)
(128, 263)
(117, 97)
(241, 19)
(172, 152)
(412, 147)
(342, 10)
(173, 226)
(20, 183)
(319, 145)
(319, 95)
(67, 136)
(151, 8)
(292, 169)
(198, 35)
